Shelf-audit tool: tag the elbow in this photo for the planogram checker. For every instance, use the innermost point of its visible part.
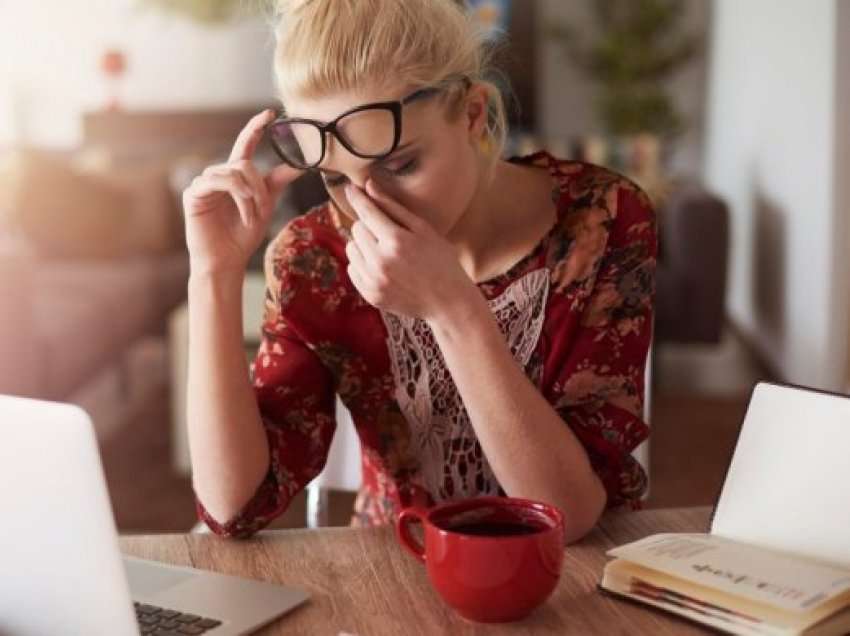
(243, 514)
(582, 515)
(230, 529)
(224, 532)
(236, 534)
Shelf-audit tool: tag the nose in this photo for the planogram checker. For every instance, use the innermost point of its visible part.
(355, 169)
(359, 181)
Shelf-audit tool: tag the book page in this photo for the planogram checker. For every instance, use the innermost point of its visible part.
(764, 576)
(717, 620)
(710, 605)
(788, 486)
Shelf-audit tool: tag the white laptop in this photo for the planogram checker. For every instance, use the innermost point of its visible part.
(61, 571)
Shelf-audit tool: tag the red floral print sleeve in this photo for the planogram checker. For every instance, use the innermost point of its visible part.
(296, 399)
(608, 273)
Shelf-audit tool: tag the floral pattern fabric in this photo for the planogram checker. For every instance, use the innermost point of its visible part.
(585, 293)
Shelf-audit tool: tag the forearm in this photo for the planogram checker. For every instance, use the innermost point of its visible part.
(228, 445)
(531, 450)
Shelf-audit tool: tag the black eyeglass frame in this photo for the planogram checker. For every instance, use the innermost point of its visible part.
(395, 107)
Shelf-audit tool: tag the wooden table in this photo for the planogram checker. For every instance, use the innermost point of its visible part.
(362, 582)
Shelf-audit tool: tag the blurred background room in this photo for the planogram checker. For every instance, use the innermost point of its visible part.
(733, 115)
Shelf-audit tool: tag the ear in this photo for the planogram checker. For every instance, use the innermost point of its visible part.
(477, 101)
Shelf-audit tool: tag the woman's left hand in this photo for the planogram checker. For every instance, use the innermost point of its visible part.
(399, 263)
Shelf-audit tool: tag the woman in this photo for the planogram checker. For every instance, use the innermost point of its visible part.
(486, 322)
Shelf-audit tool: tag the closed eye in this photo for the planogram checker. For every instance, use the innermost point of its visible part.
(336, 181)
(405, 168)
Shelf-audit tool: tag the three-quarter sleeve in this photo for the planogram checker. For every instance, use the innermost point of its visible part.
(295, 394)
(600, 382)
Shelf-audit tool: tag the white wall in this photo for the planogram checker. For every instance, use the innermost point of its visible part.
(841, 317)
(565, 95)
(49, 53)
(771, 138)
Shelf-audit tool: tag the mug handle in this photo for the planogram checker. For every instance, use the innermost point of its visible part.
(402, 527)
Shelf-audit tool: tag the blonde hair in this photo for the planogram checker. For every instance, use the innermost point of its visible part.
(327, 46)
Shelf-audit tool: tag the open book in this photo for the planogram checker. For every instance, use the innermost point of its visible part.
(776, 559)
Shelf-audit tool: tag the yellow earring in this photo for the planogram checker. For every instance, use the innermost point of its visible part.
(485, 145)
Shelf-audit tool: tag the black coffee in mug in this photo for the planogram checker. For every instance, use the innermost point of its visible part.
(495, 529)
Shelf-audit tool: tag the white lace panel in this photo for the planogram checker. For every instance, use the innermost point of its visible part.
(452, 462)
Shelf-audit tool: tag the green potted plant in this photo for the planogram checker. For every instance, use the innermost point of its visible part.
(635, 48)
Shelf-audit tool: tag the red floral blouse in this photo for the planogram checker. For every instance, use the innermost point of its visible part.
(576, 313)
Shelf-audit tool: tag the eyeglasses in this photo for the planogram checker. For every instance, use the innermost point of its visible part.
(370, 131)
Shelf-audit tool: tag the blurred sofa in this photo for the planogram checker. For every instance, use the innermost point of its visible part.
(92, 260)
(693, 227)
(92, 247)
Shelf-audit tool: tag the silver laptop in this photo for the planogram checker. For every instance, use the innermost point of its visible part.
(61, 571)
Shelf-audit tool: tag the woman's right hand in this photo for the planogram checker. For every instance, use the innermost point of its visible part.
(228, 207)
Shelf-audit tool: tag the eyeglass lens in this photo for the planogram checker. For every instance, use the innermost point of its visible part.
(369, 132)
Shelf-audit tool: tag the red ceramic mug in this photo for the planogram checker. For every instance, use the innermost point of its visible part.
(493, 559)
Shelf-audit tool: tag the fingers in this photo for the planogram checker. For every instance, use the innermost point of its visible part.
(397, 212)
(368, 254)
(381, 225)
(358, 273)
(240, 191)
(255, 195)
(366, 241)
(247, 174)
(258, 188)
(356, 258)
(357, 280)
(250, 136)
(221, 179)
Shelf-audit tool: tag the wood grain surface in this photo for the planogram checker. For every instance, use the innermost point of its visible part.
(362, 582)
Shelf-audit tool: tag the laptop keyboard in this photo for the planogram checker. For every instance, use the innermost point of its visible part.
(158, 621)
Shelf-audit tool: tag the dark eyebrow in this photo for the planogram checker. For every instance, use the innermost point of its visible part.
(376, 161)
